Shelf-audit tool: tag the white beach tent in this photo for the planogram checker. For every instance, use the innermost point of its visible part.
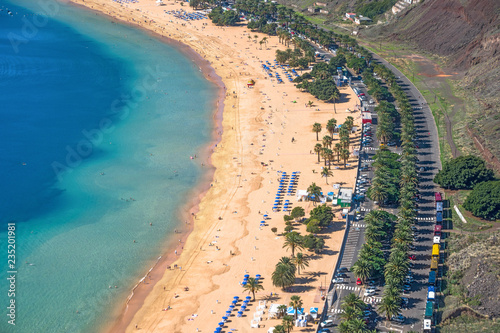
(314, 312)
(270, 330)
(273, 310)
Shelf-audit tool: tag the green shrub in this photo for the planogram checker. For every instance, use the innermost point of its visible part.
(463, 172)
(484, 200)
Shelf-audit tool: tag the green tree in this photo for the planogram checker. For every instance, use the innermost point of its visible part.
(293, 240)
(362, 269)
(389, 306)
(324, 214)
(253, 286)
(301, 261)
(344, 154)
(297, 213)
(327, 141)
(484, 200)
(284, 273)
(352, 300)
(318, 148)
(326, 172)
(296, 304)
(463, 173)
(316, 129)
(314, 191)
(287, 323)
(313, 226)
(331, 125)
(279, 329)
(350, 313)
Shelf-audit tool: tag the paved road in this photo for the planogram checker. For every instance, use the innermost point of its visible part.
(428, 154)
(429, 158)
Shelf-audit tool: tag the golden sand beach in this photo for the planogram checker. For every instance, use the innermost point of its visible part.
(258, 126)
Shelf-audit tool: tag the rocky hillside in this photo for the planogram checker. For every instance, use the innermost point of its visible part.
(475, 271)
(466, 33)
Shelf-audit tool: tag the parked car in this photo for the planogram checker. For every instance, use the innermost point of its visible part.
(343, 270)
(359, 282)
(412, 257)
(324, 330)
(327, 323)
(400, 319)
(338, 280)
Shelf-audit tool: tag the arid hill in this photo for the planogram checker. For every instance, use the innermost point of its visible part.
(466, 33)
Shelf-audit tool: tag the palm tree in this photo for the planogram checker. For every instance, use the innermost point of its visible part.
(337, 149)
(349, 313)
(301, 261)
(344, 327)
(252, 286)
(260, 43)
(310, 103)
(287, 323)
(334, 97)
(281, 311)
(357, 325)
(362, 269)
(296, 304)
(316, 129)
(283, 275)
(353, 301)
(379, 194)
(389, 306)
(344, 154)
(326, 172)
(327, 141)
(330, 126)
(279, 329)
(293, 240)
(318, 148)
(314, 190)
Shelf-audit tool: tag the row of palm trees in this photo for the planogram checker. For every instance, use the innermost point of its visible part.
(352, 315)
(372, 259)
(385, 183)
(286, 268)
(341, 148)
(398, 264)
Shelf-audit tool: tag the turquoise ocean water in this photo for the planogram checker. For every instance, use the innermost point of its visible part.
(97, 123)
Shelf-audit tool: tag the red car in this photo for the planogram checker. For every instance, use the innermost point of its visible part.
(358, 281)
(412, 257)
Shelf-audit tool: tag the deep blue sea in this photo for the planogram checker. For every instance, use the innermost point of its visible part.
(97, 123)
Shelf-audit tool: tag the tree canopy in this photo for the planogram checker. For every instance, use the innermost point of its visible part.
(484, 200)
(221, 17)
(463, 172)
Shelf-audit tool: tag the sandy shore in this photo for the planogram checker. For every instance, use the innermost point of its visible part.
(258, 126)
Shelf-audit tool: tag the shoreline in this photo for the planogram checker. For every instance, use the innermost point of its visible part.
(235, 161)
(137, 296)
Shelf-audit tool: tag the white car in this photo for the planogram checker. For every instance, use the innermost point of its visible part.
(369, 292)
(338, 280)
(327, 323)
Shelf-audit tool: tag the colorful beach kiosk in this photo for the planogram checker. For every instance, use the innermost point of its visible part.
(344, 197)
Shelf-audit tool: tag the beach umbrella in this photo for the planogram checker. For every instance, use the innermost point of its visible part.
(221, 324)
(225, 318)
(248, 298)
(266, 216)
(258, 277)
(236, 297)
(240, 312)
(246, 275)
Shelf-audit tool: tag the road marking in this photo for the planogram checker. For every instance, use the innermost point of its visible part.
(359, 225)
(372, 299)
